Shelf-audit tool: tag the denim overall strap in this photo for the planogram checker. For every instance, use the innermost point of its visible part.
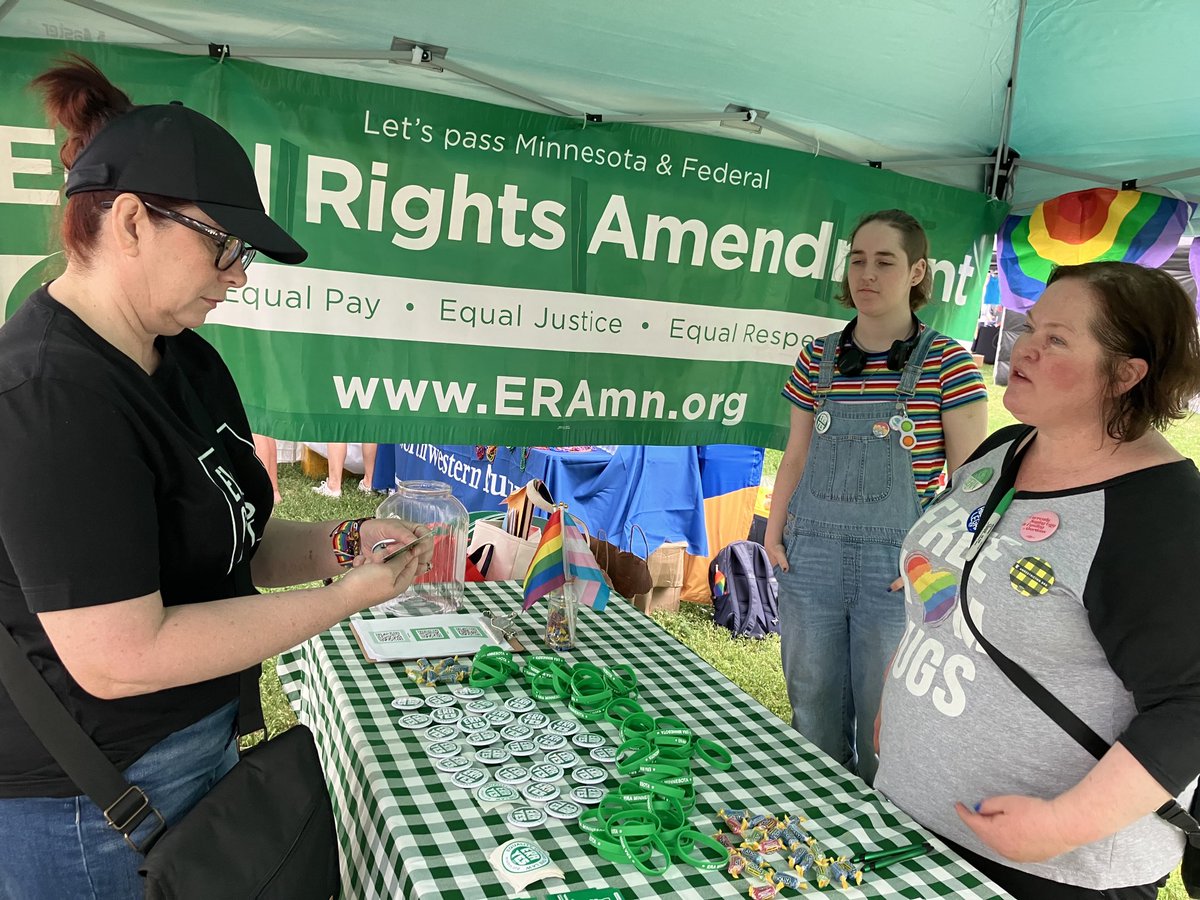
(916, 362)
(828, 361)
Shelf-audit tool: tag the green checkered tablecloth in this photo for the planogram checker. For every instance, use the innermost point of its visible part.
(406, 831)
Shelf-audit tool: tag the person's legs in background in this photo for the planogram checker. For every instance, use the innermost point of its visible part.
(332, 485)
(368, 451)
(815, 642)
(268, 454)
(876, 626)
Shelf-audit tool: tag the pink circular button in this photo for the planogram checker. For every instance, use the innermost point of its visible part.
(1039, 526)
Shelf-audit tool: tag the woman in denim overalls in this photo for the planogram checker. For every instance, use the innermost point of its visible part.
(848, 471)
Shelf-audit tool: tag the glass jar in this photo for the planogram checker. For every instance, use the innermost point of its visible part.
(560, 619)
(432, 504)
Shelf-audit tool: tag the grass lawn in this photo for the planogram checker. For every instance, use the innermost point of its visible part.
(753, 665)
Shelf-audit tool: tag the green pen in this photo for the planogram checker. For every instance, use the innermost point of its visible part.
(990, 525)
(879, 859)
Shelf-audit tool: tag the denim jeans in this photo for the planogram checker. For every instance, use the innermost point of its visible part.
(838, 623)
(60, 848)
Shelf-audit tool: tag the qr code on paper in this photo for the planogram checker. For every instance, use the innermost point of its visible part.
(430, 634)
(467, 631)
(390, 637)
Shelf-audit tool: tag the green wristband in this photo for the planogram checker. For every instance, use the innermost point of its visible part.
(714, 754)
(637, 725)
(621, 709)
(656, 841)
(690, 840)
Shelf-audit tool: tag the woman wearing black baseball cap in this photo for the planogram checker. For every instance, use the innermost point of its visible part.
(127, 582)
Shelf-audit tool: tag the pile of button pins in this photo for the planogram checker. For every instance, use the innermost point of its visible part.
(505, 737)
(449, 670)
(750, 839)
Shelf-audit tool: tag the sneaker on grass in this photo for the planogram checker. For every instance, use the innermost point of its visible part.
(326, 491)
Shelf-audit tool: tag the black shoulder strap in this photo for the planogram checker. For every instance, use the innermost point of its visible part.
(1058, 711)
(125, 806)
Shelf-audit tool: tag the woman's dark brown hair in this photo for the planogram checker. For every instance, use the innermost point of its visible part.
(1142, 314)
(916, 246)
(78, 97)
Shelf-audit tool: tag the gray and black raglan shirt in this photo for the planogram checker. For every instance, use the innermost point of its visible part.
(1092, 590)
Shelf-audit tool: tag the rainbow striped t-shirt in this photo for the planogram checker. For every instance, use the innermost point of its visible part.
(948, 379)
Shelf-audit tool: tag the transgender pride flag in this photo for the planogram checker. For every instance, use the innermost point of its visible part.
(1085, 226)
(563, 558)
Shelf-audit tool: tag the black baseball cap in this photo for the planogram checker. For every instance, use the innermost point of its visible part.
(176, 152)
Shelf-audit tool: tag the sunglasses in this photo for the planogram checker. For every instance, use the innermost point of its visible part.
(230, 249)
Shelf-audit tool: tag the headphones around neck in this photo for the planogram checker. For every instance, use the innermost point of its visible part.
(851, 359)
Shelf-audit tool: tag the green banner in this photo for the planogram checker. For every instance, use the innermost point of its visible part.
(479, 274)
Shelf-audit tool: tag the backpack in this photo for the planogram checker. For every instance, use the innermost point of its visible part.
(745, 594)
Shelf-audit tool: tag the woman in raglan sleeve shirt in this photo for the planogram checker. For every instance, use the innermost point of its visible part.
(133, 504)
(1079, 531)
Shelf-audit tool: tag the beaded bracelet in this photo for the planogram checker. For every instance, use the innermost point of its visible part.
(346, 541)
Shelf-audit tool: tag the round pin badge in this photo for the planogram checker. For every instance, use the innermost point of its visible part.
(492, 756)
(440, 733)
(484, 738)
(499, 717)
(563, 809)
(490, 795)
(519, 705)
(604, 754)
(440, 701)
(444, 749)
(588, 794)
(586, 740)
(535, 720)
(565, 727)
(821, 423)
(1031, 576)
(413, 721)
(469, 778)
(567, 759)
(881, 429)
(468, 724)
(408, 704)
(512, 774)
(466, 692)
(540, 791)
(522, 749)
(978, 479)
(548, 741)
(973, 520)
(526, 817)
(516, 732)
(589, 775)
(545, 772)
(1039, 526)
(447, 715)
(481, 705)
(453, 764)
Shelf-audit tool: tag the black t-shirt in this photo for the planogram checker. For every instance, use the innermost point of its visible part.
(113, 489)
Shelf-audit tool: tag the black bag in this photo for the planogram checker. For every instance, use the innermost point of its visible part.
(745, 594)
(265, 830)
(1083, 734)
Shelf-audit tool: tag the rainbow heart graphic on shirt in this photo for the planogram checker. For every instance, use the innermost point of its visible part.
(936, 588)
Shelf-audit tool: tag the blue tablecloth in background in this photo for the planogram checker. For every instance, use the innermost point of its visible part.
(658, 488)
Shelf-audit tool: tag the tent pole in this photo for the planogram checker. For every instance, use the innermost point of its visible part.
(668, 118)
(1010, 94)
(508, 87)
(137, 21)
(919, 163)
(802, 138)
(7, 6)
(1170, 176)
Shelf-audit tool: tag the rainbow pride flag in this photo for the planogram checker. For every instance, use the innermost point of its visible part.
(563, 557)
(548, 568)
(1085, 226)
